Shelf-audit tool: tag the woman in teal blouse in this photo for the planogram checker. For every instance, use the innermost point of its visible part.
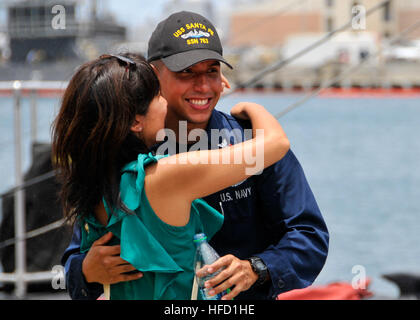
(110, 115)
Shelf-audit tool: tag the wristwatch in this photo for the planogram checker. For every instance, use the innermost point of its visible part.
(259, 267)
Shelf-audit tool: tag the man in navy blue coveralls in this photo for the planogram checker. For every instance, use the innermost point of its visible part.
(273, 226)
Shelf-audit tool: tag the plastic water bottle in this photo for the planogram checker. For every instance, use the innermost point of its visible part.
(205, 255)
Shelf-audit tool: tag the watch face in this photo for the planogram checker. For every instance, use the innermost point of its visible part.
(259, 264)
(259, 268)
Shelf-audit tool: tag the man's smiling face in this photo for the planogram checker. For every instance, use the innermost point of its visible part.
(193, 93)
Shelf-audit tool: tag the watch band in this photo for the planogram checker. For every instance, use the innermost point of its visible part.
(259, 267)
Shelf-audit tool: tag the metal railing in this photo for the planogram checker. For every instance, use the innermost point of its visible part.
(33, 90)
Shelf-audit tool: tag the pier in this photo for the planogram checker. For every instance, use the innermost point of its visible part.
(398, 75)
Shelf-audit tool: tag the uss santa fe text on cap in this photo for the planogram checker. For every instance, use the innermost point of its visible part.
(184, 39)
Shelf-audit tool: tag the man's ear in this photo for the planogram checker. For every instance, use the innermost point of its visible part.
(156, 67)
(138, 123)
(225, 81)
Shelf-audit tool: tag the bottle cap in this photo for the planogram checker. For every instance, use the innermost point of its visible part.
(199, 237)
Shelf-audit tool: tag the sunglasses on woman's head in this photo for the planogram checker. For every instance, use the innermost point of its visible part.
(123, 60)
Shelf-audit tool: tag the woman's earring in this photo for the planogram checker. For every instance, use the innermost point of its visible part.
(137, 127)
(138, 124)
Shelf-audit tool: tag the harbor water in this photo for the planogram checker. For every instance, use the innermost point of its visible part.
(360, 156)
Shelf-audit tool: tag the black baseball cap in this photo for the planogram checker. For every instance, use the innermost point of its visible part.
(184, 39)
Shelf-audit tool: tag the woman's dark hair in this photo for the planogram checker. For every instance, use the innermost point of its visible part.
(91, 139)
